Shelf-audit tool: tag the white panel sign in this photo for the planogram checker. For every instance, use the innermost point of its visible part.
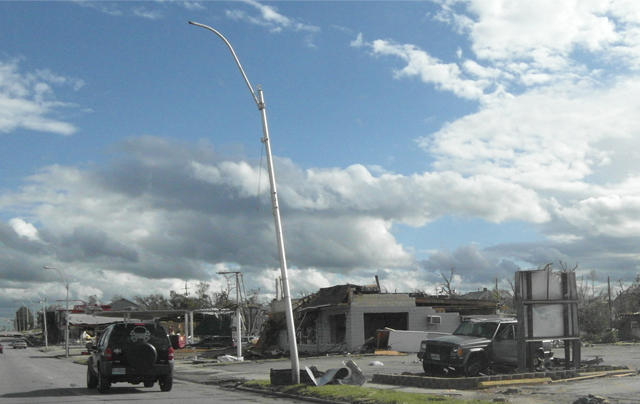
(548, 320)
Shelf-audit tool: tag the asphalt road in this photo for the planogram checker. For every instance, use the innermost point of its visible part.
(29, 376)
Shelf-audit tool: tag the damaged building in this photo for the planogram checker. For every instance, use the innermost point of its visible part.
(344, 318)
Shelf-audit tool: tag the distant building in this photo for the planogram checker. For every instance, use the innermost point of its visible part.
(124, 305)
(344, 317)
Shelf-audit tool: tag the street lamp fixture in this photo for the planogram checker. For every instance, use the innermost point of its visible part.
(66, 310)
(259, 101)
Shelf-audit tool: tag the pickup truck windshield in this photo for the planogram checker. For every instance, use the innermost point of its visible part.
(471, 329)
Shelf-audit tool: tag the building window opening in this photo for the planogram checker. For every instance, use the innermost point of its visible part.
(338, 328)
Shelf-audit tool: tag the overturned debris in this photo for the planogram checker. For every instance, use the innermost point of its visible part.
(350, 374)
(591, 399)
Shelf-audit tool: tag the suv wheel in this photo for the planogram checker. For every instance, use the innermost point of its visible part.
(165, 382)
(92, 380)
(103, 382)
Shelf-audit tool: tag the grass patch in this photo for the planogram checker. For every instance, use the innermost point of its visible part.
(361, 395)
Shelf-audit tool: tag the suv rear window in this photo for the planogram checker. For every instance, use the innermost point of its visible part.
(134, 332)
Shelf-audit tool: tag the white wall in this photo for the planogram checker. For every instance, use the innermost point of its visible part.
(393, 303)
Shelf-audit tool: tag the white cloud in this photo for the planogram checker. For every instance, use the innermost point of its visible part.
(507, 30)
(27, 100)
(551, 139)
(165, 206)
(358, 42)
(557, 90)
(446, 76)
(270, 18)
(103, 7)
(192, 5)
(147, 13)
(518, 46)
(24, 229)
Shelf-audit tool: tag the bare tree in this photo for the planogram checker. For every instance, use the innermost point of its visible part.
(447, 286)
(564, 267)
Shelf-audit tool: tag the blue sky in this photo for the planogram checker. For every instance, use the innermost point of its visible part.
(409, 138)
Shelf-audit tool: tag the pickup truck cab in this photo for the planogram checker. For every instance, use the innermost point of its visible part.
(472, 348)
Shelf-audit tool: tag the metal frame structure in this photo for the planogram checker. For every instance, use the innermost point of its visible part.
(531, 299)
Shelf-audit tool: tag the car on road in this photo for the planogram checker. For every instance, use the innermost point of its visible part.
(132, 353)
(19, 344)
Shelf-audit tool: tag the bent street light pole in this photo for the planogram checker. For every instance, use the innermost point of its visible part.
(66, 309)
(259, 100)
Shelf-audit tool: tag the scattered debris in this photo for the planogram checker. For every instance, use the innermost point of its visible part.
(376, 363)
(510, 391)
(388, 353)
(560, 362)
(229, 358)
(356, 377)
(349, 374)
(331, 376)
(591, 399)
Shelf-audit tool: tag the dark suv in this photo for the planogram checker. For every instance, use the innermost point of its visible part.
(132, 353)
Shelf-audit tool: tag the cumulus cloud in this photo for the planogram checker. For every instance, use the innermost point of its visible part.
(146, 13)
(516, 47)
(553, 120)
(151, 11)
(270, 18)
(27, 99)
(431, 70)
(24, 229)
(168, 210)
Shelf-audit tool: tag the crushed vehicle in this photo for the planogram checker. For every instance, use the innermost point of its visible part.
(133, 353)
(474, 347)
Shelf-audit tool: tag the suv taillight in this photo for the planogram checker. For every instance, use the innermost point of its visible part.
(108, 354)
(170, 353)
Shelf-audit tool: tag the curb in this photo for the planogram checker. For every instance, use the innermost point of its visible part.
(470, 383)
(287, 395)
(519, 382)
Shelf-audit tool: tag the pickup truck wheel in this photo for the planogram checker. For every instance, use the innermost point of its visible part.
(92, 380)
(165, 382)
(432, 370)
(103, 383)
(475, 365)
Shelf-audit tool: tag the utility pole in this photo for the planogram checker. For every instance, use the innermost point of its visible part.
(610, 304)
(66, 309)
(44, 321)
(238, 314)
